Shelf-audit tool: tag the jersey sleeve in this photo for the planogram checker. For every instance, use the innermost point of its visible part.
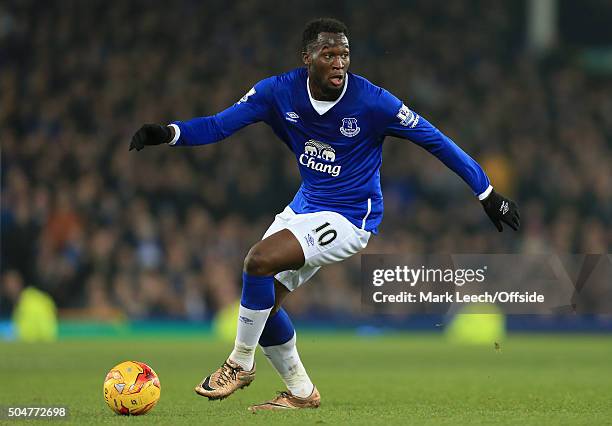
(401, 122)
(253, 107)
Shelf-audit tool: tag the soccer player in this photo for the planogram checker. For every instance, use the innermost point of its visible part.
(335, 123)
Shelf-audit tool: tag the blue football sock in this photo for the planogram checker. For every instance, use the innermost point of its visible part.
(255, 306)
(257, 292)
(278, 329)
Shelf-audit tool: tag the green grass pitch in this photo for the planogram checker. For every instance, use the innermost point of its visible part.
(395, 379)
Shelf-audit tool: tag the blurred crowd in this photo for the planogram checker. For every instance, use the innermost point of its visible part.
(163, 232)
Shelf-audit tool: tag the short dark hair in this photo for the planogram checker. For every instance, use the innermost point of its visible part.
(321, 25)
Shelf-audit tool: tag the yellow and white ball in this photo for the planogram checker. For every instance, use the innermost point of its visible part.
(131, 388)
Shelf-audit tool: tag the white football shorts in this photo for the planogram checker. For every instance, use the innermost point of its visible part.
(326, 237)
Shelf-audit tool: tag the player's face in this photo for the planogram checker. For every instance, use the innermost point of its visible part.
(328, 60)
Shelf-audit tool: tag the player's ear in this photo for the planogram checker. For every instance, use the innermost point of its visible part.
(306, 58)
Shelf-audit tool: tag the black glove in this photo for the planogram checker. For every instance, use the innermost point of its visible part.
(151, 134)
(501, 209)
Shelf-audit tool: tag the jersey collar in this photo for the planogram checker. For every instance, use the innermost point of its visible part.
(321, 107)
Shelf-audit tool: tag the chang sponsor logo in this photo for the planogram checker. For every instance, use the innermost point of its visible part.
(315, 150)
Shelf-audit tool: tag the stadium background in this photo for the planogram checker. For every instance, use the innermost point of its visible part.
(161, 234)
(139, 251)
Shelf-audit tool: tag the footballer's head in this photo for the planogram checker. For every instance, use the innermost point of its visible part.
(325, 52)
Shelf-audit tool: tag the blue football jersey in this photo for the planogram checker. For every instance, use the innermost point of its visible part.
(339, 152)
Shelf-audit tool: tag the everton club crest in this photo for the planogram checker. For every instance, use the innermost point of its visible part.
(349, 127)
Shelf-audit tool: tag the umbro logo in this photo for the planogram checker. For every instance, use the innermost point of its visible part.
(245, 320)
(291, 116)
(504, 207)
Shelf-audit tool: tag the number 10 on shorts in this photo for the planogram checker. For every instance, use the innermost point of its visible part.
(325, 234)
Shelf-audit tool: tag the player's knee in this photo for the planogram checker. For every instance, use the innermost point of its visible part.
(258, 263)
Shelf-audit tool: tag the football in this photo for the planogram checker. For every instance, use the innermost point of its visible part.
(131, 388)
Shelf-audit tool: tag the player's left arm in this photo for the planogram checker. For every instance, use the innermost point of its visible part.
(406, 124)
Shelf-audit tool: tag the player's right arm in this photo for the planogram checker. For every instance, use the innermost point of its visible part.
(398, 120)
(253, 107)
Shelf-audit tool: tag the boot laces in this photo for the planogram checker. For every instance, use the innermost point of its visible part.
(227, 374)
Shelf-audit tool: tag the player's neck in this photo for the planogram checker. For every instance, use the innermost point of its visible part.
(319, 95)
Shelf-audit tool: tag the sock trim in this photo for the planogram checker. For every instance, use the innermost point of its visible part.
(257, 292)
